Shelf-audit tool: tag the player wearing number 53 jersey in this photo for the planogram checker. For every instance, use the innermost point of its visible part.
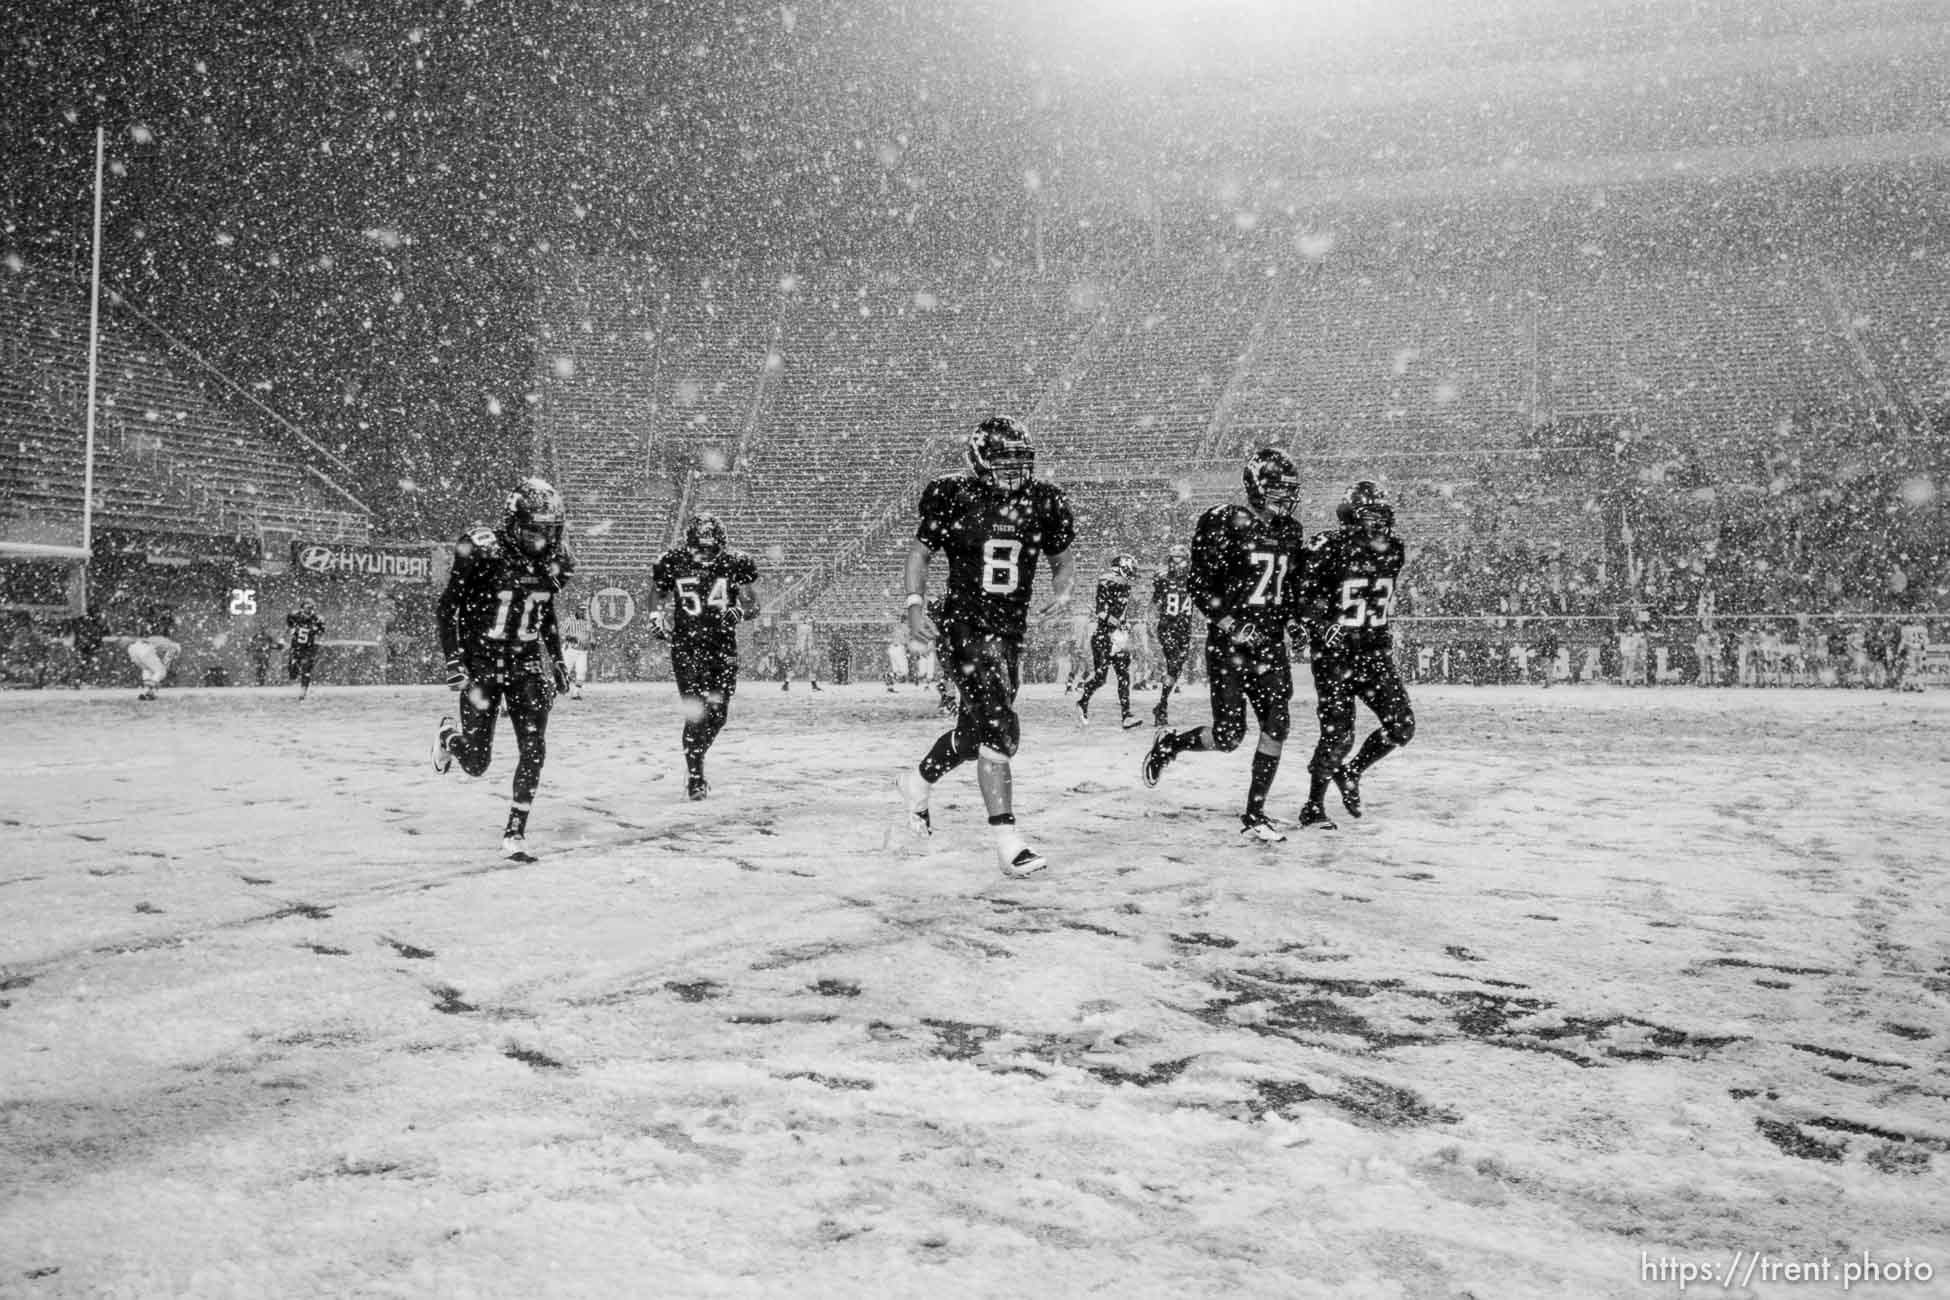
(994, 523)
(498, 632)
(1347, 602)
(702, 592)
(1245, 560)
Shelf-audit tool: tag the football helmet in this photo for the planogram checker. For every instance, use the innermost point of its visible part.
(1177, 561)
(535, 515)
(704, 535)
(999, 451)
(1125, 567)
(1365, 506)
(1272, 482)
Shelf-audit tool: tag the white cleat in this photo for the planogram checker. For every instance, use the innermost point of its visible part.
(514, 847)
(1026, 862)
(914, 794)
(1083, 714)
(1260, 827)
(439, 754)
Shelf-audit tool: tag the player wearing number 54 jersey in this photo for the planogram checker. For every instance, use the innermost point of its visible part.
(498, 632)
(1245, 560)
(994, 523)
(1347, 602)
(703, 591)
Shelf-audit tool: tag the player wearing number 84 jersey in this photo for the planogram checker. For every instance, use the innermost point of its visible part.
(1347, 603)
(498, 632)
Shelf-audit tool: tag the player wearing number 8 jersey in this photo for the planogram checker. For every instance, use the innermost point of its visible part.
(1347, 602)
(702, 592)
(498, 632)
(994, 523)
(1244, 562)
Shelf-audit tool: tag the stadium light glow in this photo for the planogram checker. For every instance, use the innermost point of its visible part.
(1164, 38)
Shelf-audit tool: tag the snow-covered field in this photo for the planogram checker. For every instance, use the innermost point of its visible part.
(1607, 985)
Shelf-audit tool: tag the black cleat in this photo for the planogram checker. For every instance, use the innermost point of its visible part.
(1159, 718)
(697, 788)
(1314, 818)
(1156, 759)
(1349, 782)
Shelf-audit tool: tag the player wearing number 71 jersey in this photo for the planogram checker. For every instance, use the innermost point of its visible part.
(497, 629)
(1346, 603)
(702, 592)
(1245, 560)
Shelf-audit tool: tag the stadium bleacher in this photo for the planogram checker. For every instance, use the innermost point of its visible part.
(806, 406)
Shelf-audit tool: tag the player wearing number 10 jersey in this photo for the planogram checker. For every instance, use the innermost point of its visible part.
(994, 522)
(1245, 561)
(1347, 602)
(498, 632)
(703, 590)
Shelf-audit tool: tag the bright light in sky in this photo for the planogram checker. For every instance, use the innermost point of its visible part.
(1166, 37)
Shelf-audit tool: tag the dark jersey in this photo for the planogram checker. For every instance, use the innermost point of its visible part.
(88, 631)
(304, 631)
(1171, 603)
(157, 620)
(499, 606)
(993, 538)
(703, 596)
(1246, 567)
(1351, 585)
(1113, 598)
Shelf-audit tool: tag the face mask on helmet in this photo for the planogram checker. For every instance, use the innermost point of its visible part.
(1126, 567)
(1177, 562)
(1000, 452)
(535, 516)
(1272, 483)
(1365, 507)
(705, 536)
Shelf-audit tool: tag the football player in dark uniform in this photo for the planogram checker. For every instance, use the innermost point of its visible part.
(1171, 604)
(1346, 603)
(700, 593)
(1244, 562)
(498, 632)
(1110, 640)
(994, 522)
(304, 630)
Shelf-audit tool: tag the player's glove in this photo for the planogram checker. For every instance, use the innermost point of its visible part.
(1331, 637)
(660, 624)
(456, 674)
(1246, 635)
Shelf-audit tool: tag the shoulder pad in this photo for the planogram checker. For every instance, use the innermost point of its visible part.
(482, 540)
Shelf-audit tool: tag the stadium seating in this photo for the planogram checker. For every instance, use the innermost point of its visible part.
(172, 456)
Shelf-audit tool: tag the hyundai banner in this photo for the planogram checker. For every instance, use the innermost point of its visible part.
(402, 561)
